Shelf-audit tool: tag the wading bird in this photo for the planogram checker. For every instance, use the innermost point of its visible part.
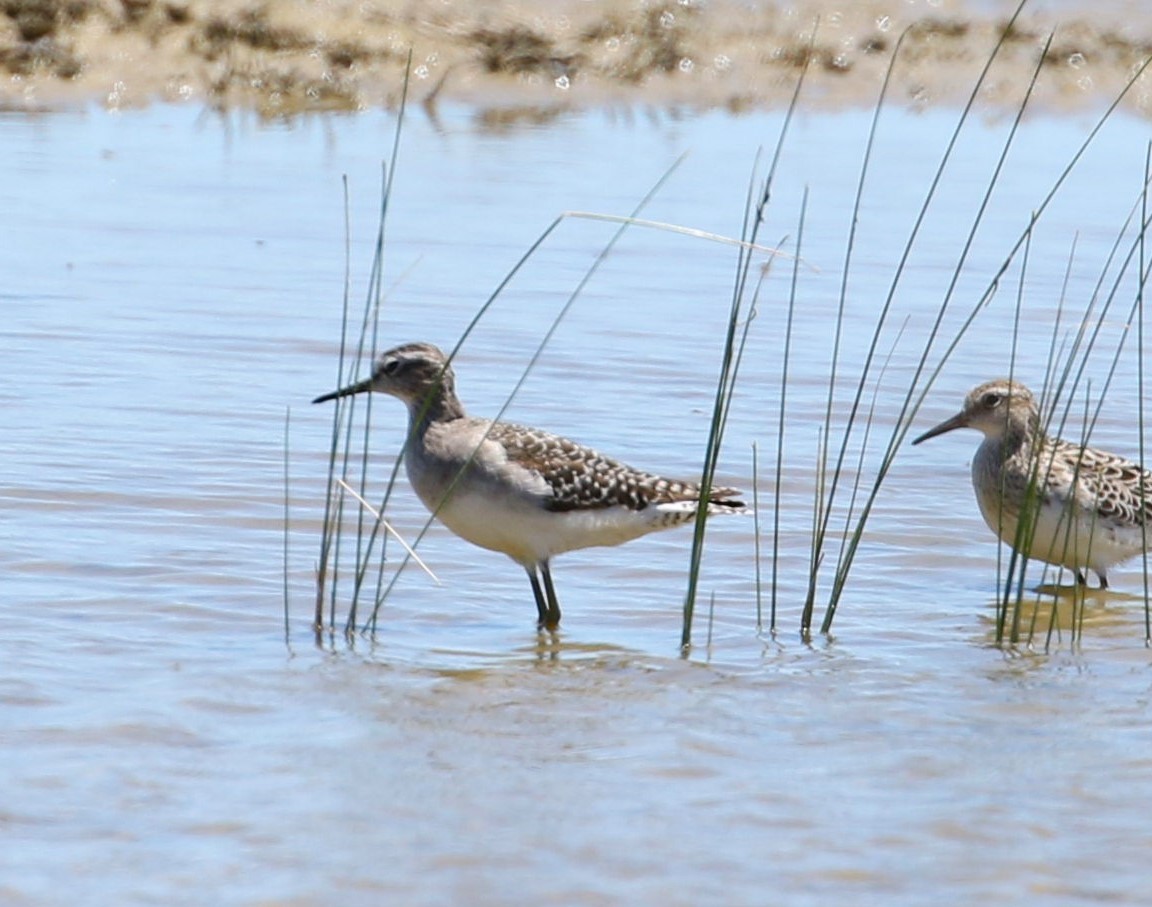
(524, 492)
(1083, 508)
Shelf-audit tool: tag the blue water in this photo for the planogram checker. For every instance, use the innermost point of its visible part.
(173, 291)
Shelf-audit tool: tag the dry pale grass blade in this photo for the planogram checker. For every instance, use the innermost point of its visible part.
(389, 529)
(684, 231)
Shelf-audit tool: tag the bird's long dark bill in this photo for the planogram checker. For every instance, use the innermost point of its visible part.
(957, 421)
(358, 388)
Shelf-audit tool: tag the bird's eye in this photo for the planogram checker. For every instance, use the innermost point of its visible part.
(390, 366)
(991, 400)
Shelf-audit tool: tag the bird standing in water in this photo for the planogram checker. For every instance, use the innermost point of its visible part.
(524, 492)
(1086, 508)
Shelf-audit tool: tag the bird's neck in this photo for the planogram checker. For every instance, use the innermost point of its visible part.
(439, 405)
(1021, 437)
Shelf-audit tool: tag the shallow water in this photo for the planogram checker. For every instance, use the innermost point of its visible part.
(173, 289)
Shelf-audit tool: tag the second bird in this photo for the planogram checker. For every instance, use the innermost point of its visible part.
(524, 492)
(1086, 508)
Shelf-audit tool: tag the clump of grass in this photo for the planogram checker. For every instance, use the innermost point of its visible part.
(515, 50)
(42, 43)
(1068, 364)
(340, 462)
(657, 38)
(247, 27)
(739, 320)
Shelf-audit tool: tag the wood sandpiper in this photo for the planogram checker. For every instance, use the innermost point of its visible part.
(1083, 507)
(524, 492)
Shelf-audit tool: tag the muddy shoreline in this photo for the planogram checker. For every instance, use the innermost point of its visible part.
(284, 57)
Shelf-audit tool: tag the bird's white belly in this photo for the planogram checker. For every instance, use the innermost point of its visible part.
(530, 534)
(1068, 536)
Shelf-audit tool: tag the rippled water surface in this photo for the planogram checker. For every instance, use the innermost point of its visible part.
(172, 292)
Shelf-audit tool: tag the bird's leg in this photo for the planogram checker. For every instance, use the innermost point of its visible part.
(1103, 580)
(1081, 579)
(553, 605)
(541, 604)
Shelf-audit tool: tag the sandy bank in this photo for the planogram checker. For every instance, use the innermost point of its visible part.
(283, 57)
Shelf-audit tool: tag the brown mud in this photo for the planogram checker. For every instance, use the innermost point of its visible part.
(283, 57)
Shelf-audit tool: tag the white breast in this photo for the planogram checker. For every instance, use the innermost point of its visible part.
(529, 534)
(1064, 532)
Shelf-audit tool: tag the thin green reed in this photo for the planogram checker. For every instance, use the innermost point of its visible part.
(994, 282)
(1026, 523)
(345, 410)
(1144, 214)
(1048, 402)
(1056, 354)
(821, 525)
(1071, 374)
(364, 547)
(1093, 337)
(1078, 614)
(1056, 344)
(725, 386)
(816, 555)
(1077, 625)
(365, 348)
(785, 362)
(333, 503)
(756, 541)
(870, 419)
(340, 450)
(1025, 526)
(1090, 339)
(754, 215)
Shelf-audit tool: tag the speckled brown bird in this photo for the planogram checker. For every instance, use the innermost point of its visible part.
(1087, 508)
(524, 492)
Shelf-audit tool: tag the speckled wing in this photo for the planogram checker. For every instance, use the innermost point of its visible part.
(583, 479)
(1115, 485)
